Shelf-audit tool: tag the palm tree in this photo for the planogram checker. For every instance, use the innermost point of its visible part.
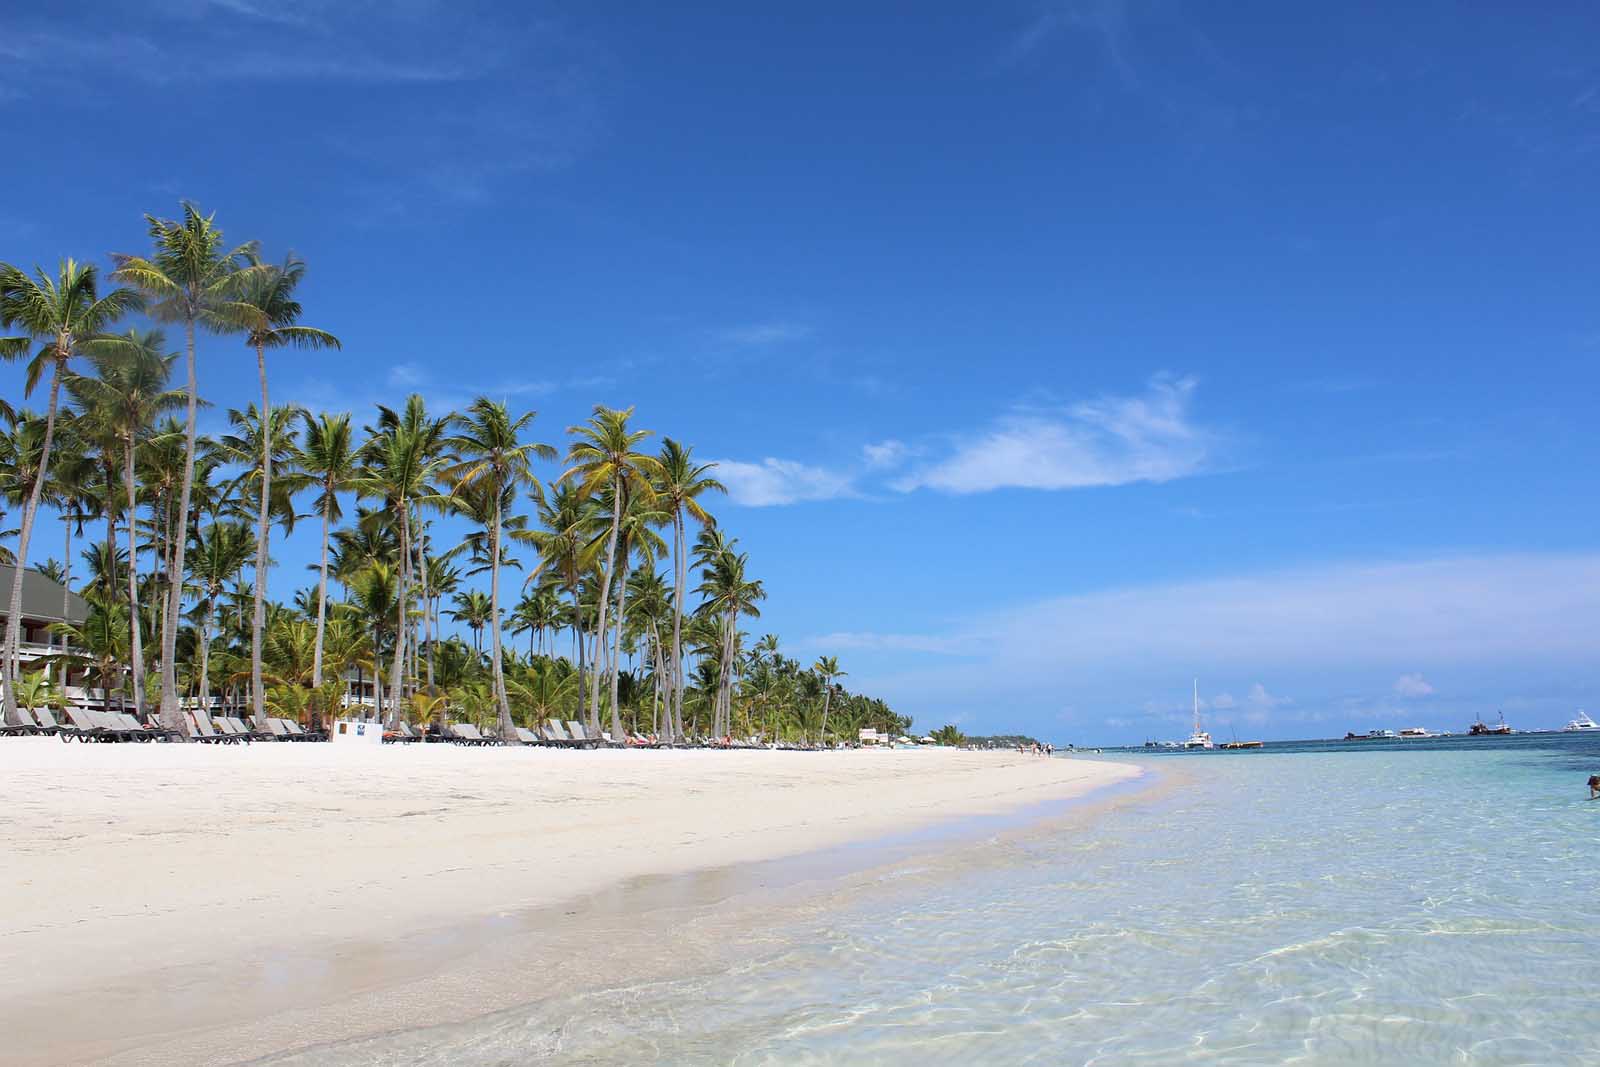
(191, 277)
(265, 306)
(565, 517)
(728, 595)
(67, 316)
(474, 611)
(220, 551)
(261, 439)
(827, 669)
(125, 396)
(603, 457)
(635, 533)
(680, 484)
(538, 610)
(494, 460)
(402, 458)
(328, 457)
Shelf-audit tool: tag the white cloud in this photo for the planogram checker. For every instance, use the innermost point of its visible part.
(890, 453)
(1223, 701)
(762, 334)
(1336, 630)
(780, 481)
(1412, 685)
(1110, 441)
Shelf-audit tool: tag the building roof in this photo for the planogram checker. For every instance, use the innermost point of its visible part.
(41, 597)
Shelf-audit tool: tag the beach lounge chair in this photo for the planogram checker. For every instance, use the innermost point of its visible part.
(528, 737)
(468, 734)
(579, 737)
(269, 729)
(201, 729)
(296, 733)
(116, 729)
(555, 734)
(26, 725)
(139, 731)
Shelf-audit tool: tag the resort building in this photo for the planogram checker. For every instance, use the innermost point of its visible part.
(44, 601)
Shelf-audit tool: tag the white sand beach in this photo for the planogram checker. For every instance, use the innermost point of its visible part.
(174, 903)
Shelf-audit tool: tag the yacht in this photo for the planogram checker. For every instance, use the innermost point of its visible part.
(1582, 722)
(1415, 733)
(1198, 739)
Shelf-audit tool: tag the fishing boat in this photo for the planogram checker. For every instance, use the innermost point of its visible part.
(1198, 739)
(1483, 729)
(1582, 722)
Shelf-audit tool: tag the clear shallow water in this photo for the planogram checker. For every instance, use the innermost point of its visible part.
(1342, 904)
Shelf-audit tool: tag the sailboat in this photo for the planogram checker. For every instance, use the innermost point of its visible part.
(1198, 739)
(1483, 729)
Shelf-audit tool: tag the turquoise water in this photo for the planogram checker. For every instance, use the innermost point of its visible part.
(1417, 904)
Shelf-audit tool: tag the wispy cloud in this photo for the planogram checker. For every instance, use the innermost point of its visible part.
(763, 334)
(1110, 441)
(775, 481)
(1412, 685)
(1352, 626)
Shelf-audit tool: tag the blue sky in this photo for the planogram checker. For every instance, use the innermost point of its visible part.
(1055, 353)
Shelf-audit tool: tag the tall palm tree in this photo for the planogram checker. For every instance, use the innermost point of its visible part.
(265, 306)
(565, 518)
(680, 483)
(190, 277)
(729, 594)
(66, 315)
(494, 460)
(603, 457)
(636, 534)
(261, 439)
(329, 458)
(220, 551)
(124, 398)
(827, 669)
(473, 610)
(401, 460)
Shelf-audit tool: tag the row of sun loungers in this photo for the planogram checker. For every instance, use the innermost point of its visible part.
(88, 725)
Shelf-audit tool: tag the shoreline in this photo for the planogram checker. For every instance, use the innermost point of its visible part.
(389, 892)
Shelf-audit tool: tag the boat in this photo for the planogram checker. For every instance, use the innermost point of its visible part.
(1483, 729)
(1582, 722)
(1416, 733)
(1198, 739)
(1371, 735)
(1242, 744)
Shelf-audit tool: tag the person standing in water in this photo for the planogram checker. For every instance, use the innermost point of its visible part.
(1594, 786)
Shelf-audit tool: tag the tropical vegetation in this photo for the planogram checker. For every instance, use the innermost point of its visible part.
(469, 564)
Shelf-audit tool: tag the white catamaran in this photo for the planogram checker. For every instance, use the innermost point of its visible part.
(1198, 739)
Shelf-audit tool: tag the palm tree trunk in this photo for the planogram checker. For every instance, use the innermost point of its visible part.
(616, 655)
(508, 732)
(171, 712)
(206, 620)
(605, 597)
(258, 617)
(14, 612)
(322, 604)
(398, 679)
(675, 693)
(66, 598)
(135, 638)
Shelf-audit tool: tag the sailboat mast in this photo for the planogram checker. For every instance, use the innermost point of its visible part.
(1197, 705)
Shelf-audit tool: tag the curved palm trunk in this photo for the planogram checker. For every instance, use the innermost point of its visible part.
(135, 638)
(508, 732)
(14, 611)
(827, 699)
(171, 711)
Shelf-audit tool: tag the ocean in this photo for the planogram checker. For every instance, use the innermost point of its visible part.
(1419, 902)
